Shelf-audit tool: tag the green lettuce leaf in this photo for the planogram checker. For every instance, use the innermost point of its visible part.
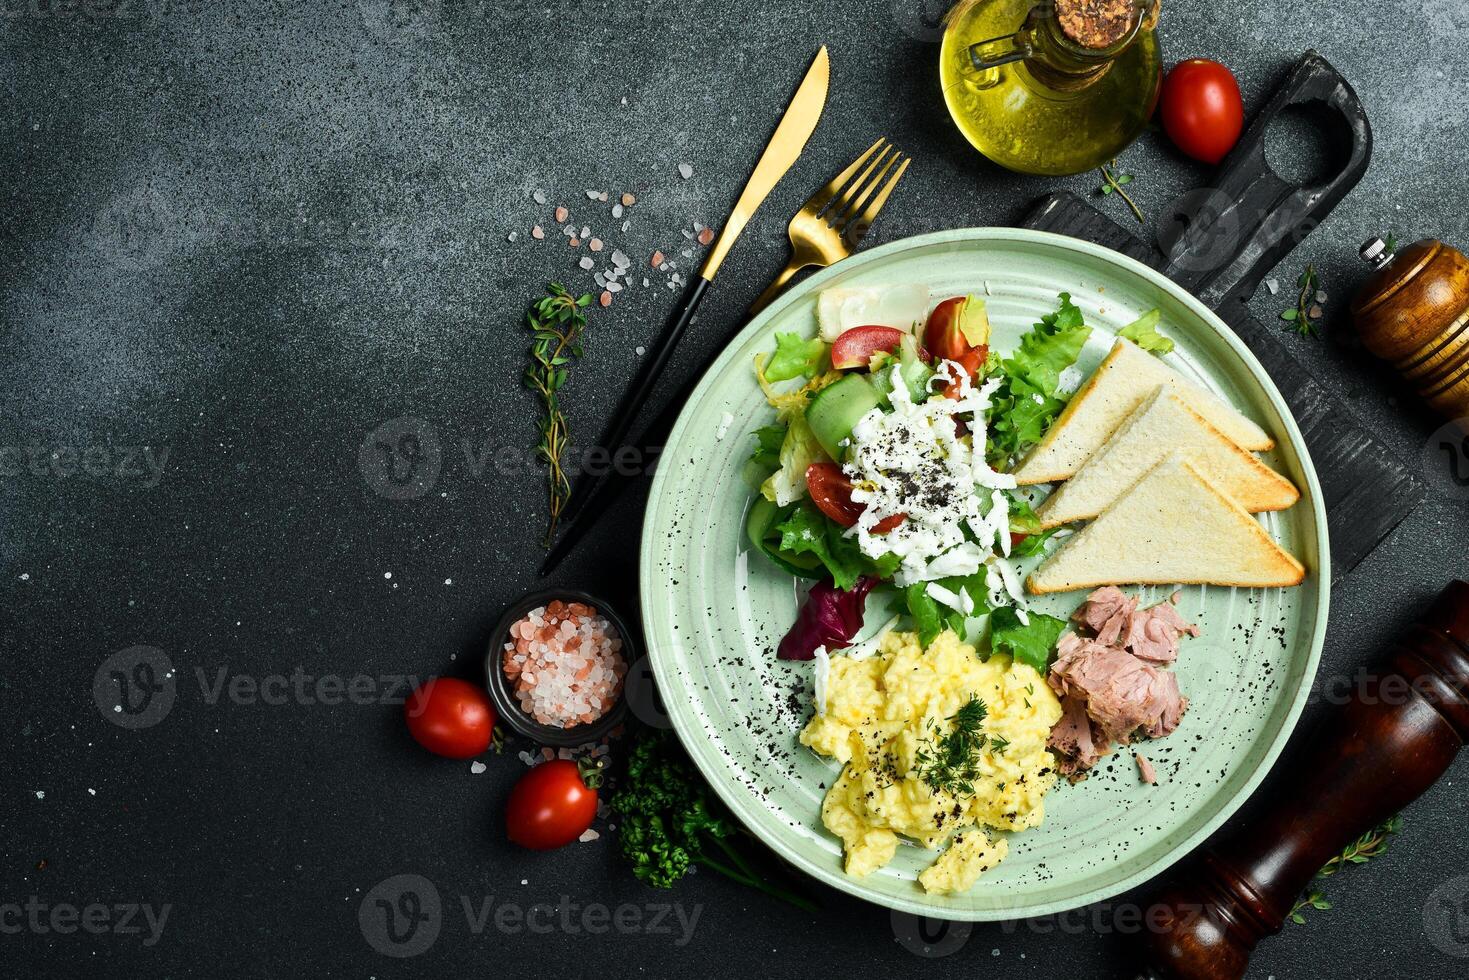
(1027, 644)
(928, 616)
(1144, 332)
(808, 531)
(1028, 402)
(768, 440)
(795, 357)
(798, 450)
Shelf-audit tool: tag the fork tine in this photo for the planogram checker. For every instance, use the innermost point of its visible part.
(839, 218)
(856, 227)
(818, 201)
(844, 200)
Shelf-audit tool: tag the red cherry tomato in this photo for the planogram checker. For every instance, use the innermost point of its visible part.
(942, 337)
(1202, 111)
(971, 361)
(450, 717)
(551, 806)
(831, 492)
(855, 347)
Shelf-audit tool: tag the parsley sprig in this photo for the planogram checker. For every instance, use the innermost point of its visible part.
(556, 323)
(950, 764)
(1113, 181)
(1370, 845)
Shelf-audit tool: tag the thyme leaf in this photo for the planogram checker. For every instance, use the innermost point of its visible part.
(1370, 845)
(1305, 316)
(1113, 182)
(556, 323)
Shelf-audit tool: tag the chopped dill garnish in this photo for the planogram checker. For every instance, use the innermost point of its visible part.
(952, 763)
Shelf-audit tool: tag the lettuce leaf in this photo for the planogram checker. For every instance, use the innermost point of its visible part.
(1027, 401)
(1031, 643)
(1144, 332)
(808, 531)
(930, 617)
(795, 357)
(768, 440)
(798, 450)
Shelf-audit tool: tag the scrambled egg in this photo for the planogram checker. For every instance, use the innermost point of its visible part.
(885, 715)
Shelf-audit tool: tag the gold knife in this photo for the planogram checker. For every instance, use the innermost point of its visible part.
(795, 128)
(790, 137)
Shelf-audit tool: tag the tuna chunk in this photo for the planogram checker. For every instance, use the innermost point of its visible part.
(1072, 740)
(1145, 769)
(1122, 693)
(1153, 633)
(1107, 613)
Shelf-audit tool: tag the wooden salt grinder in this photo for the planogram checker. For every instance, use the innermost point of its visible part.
(1413, 311)
(1394, 737)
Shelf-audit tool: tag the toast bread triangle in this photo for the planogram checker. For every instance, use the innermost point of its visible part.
(1163, 423)
(1126, 377)
(1171, 527)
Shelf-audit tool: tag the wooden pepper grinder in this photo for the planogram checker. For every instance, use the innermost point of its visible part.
(1397, 733)
(1413, 311)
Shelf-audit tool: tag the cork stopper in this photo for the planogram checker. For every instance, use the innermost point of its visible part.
(1098, 24)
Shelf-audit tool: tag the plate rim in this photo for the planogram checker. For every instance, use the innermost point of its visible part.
(736, 800)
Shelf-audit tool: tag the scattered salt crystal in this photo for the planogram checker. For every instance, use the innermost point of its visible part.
(1273, 285)
(574, 242)
(645, 282)
(561, 214)
(656, 260)
(512, 236)
(387, 574)
(687, 253)
(602, 196)
(698, 226)
(586, 231)
(448, 581)
(569, 231)
(40, 794)
(476, 767)
(686, 233)
(640, 350)
(613, 287)
(685, 171)
(706, 236)
(605, 299)
(591, 195)
(599, 279)
(626, 225)
(586, 262)
(539, 197)
(588, 836)
(617, 210)
(595, 244)
(620, 259)
(628, 200)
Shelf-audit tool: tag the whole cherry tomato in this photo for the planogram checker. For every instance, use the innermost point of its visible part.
(450, 717)
(1202, 111)
(552, 805)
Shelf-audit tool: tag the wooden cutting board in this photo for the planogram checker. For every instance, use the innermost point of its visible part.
(1228, 238)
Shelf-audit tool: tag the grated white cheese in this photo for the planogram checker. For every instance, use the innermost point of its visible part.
(821, 674)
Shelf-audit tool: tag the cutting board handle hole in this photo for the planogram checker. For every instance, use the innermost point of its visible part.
(1308, 144)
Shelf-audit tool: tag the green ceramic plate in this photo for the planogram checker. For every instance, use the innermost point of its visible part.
(713, 612)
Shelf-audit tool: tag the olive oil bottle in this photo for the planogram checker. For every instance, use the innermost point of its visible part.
(1051, 87)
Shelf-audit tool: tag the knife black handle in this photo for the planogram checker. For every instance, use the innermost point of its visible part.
(577, 518)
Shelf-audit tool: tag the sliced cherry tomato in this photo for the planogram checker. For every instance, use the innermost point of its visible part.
(450, 717)
(888, 523)
(552, 805)
(955, 327)
(1016, 537)
(1202, 110)
(855, 347)
(972, 362)
(831, 492)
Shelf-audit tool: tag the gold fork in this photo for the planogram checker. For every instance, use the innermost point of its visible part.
(830, 225)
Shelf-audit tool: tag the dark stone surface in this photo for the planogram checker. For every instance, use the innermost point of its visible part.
(248, 234)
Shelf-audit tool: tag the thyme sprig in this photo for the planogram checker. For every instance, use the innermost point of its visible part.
(951, 763)
(1370, 845)
(1113, 182)
(1305, 316)
(556, 323)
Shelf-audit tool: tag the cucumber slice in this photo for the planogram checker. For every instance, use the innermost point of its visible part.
(835, 409)
(760, 529)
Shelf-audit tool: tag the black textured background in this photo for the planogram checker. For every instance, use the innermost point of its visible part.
(248, 234)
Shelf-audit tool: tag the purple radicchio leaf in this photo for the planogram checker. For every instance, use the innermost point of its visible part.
(830, 618)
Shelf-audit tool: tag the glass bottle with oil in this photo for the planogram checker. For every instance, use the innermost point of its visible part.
(1056, 87)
